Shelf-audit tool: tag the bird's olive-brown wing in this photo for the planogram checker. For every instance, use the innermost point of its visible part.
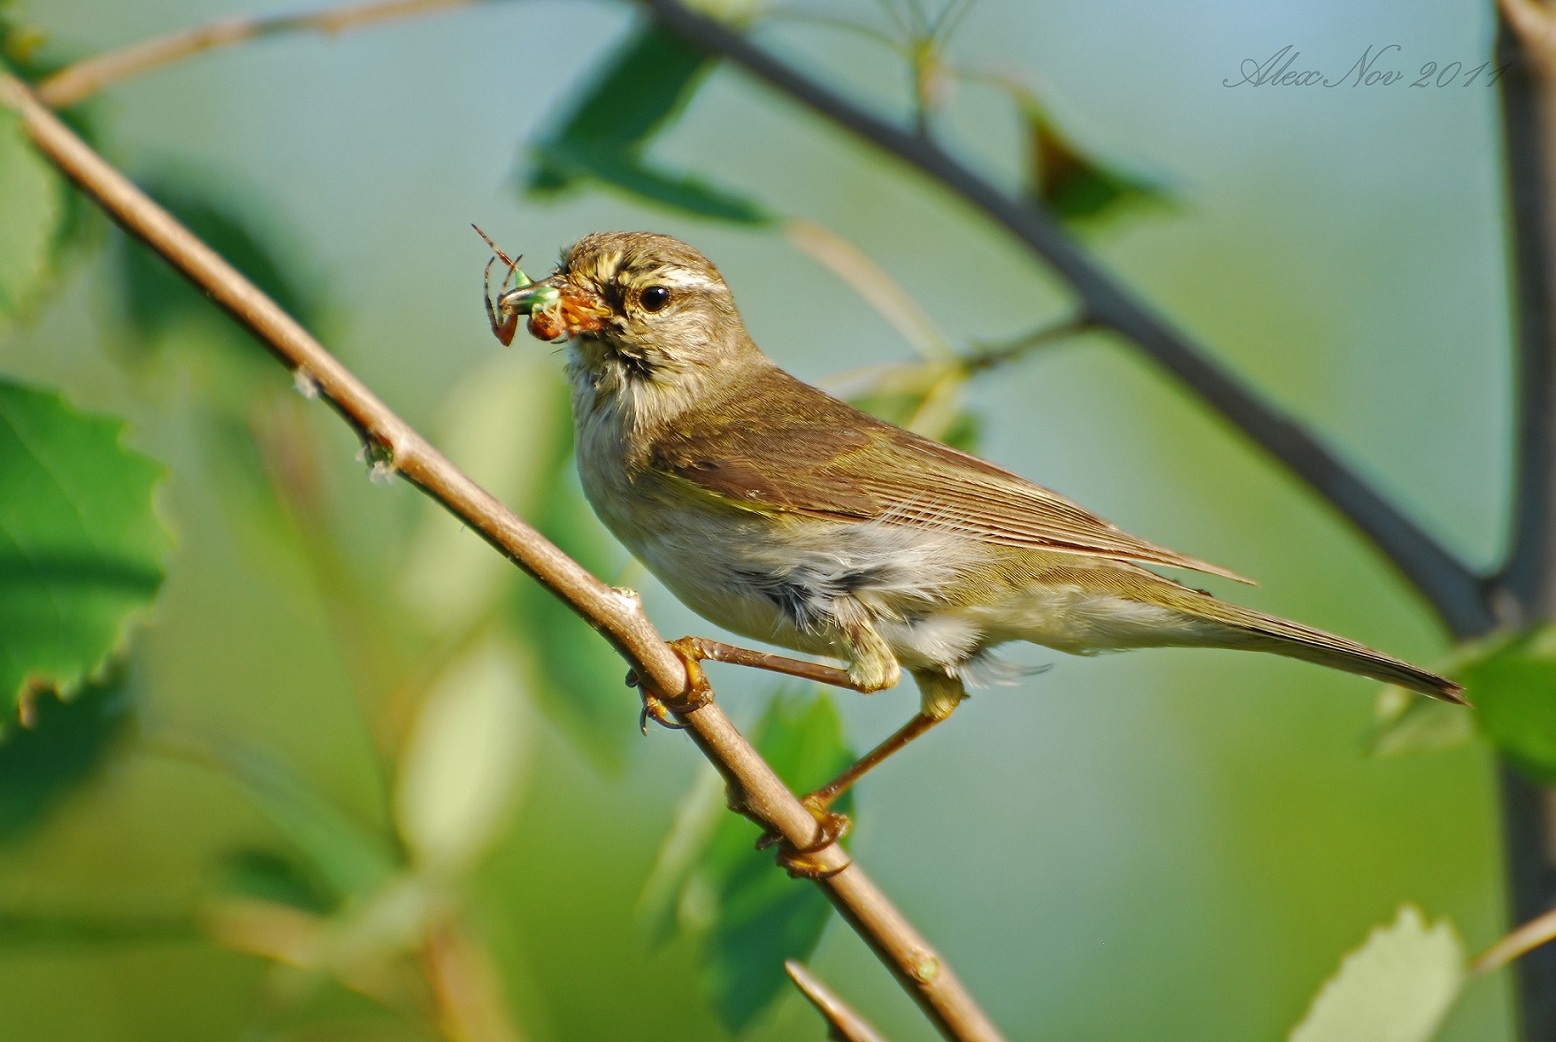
(785, 447)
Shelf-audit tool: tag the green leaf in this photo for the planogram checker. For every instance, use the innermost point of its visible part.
(623, 171)
(32, 216)
(462, 761)
(158, 300)
(42, 930)
(1397, 987)
(637, 91)
(1070, 183)
(264, 875)
(1407, 722)
(33, 55)
(62, 747)
(712, 883)
(347, 858)
(80, 545)
(1513, 686)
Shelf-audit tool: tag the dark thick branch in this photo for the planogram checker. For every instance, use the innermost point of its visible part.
(1527, 43)
(616, 614)
(1526, 585)
(1452, 589)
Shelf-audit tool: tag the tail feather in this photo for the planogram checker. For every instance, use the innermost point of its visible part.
(1255, 631)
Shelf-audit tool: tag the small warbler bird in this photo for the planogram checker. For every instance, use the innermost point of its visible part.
(786, 515)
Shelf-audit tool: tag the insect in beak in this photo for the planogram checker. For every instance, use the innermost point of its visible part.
(503, 312)
(556, 312)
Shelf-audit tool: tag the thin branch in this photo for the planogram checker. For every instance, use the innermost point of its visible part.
(1538, 931)
(992, 356)
(1449, 585)
(75, 83)
(844, 1024)
(616, 614)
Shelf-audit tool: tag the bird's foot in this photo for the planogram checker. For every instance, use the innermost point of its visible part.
(698, 693)
(806, 862)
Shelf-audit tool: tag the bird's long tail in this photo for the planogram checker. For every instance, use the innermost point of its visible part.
(1252, 630)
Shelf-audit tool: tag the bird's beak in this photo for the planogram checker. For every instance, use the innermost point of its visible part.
(558, 309)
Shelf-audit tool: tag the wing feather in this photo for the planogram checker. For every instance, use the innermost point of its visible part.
(842, 464)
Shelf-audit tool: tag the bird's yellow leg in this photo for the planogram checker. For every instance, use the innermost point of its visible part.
(704, 649)
(939, 695)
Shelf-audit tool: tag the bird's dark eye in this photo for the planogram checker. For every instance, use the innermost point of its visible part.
(654, 298)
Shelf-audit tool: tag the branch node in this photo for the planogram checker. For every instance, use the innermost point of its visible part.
(926, 968)
(305, 384)
(379, 456)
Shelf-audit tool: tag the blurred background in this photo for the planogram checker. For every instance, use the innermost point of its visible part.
(1165, 845)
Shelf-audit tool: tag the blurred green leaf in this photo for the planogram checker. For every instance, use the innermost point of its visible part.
(1513, 686)
(500, 421)
(33, 929)
(461, 764)
(711, 882)
(32, 216)
(634, 93)
(62, 747)
(80, 545)
(244, 454)
(638, 90)
(1066, 180)
(33, 55)
(1407, 722)
(581, 680)
(348, 858)
(624, 171)
(1397, 987)
(265, 875)
(158, 300)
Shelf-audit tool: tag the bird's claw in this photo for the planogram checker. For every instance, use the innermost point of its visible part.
(653, 706)
(698, 692)
(805, 862)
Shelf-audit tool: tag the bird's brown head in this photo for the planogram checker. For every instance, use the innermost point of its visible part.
(636, 305)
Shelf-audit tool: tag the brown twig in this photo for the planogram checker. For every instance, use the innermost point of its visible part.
(1451, 587)
(992, 356)
(844, 1025)
(75, 83)
(1536, 933)
(616, 614)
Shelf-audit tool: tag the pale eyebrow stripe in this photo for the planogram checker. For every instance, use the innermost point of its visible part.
(681, 279)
